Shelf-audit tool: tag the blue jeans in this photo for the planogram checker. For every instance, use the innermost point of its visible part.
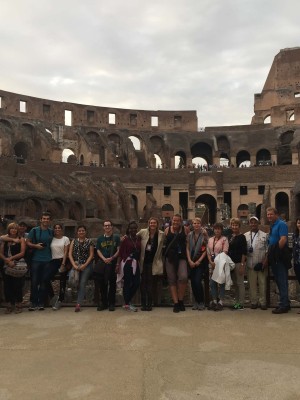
(131, 282)
(38, 272)
(214, 290)
(83, 279)
(196, 275)
(280, 273)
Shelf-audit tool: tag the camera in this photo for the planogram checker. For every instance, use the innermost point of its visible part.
(44, 244)
(250, 250)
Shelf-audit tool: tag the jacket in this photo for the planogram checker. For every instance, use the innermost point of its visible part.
(223, 266)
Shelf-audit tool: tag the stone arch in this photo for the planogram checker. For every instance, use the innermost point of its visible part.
(267, 119)
(75, 211)
(28, 128)
(136, 142)
(284, 152)
(223, 146)
(56, 208)
(68, 156)
(114, 142)
(224, 160)
(21, 150)
(282, 205)
(6, 123)
(206, 208)
(167, 211)
(33, 208)
(243, 211)
(263, 157)
(157, 145)
(180, 159)
(241, 157)
(202, 150)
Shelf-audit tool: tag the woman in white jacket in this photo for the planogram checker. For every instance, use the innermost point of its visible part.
(151, 262)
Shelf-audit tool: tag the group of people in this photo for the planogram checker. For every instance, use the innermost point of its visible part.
(135, 260)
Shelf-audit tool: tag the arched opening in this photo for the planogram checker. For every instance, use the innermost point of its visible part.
(75, 211)
(5, 123)
(158, 163)
(114, 142)
(180, 159)
(33, 208)
(243, 211)
(267, 119)
(200, 163)
(133, 207)
(282, 205)
(21, 150)
(136, 142)
(81, 159)
(202, 150)
(56, 208)
(243, 159)
(224, 160)
(68, 156)
(263, 157)
(167, 212)
(258, 211)
(206, 208)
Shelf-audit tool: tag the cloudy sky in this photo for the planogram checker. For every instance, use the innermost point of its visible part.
(204, 55)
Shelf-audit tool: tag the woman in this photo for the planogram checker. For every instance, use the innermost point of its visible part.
(216, 245)
(10, 252)
(238, 252)
(197, 260)
(151, 264)
(296, 250)
(59, 248)
(176, 262)
(81, 254)
(127, 266)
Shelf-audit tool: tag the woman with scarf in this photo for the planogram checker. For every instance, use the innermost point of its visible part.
(197, 260)
(127, 266)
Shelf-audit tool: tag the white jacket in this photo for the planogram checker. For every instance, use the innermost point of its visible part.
(223, 266)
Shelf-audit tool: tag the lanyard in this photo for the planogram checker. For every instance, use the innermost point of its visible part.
(252, 238)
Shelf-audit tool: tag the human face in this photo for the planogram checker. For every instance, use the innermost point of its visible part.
(13, 232)
(196, 226)
(271, 216)
(176, 223)
(22, 229)
(253, 225)
(153, 225)
(58, 231)
(81, 233)
(45, 221)
(235, 228)
(132, 229)
(107, 226)
(218, 232)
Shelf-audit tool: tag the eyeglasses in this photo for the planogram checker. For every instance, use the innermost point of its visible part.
(107, 226)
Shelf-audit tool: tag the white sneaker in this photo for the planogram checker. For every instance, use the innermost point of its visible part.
(56, 306)
(132, 308)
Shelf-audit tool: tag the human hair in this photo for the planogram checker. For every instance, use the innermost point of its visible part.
(178, 216)
(235, 221)
(153, 219)
(107, 220)
(129, 225)
(218, 225)
(22, 223)
(81, 227)
(58, 224)
(270, 209)
(46, 214)
(12, 225)
(196, 219)
(297, 233)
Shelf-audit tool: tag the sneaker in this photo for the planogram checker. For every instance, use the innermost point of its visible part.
(149, 308)
(181, 305)
(219, 307)
(132, 308)
(112, 307)
(41, 308)
(54, 300)
(144, 308)
(201, 307)
(32, 308)
(280, 310)
(176, 308)
(77, 308)
(212, 306)
(126, 307)
(195, 306)
(57, 305)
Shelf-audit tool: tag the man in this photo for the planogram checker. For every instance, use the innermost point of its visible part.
(257, 270)
(278, 245)
(39, 239)
(107, 247)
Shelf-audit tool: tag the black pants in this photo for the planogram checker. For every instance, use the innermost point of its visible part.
(197, 275)
(106, 284)
(13, 289)
(146, 285)
(131, 282)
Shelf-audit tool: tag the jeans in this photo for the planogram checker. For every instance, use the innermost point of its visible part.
(131, 282)
(280, 273)
(106, 283)
(83, 279)
(49, 275)
(196, 275)
(39, 270)
(216, 287)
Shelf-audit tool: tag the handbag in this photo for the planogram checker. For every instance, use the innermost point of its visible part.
(73, 278)
(18, 270)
